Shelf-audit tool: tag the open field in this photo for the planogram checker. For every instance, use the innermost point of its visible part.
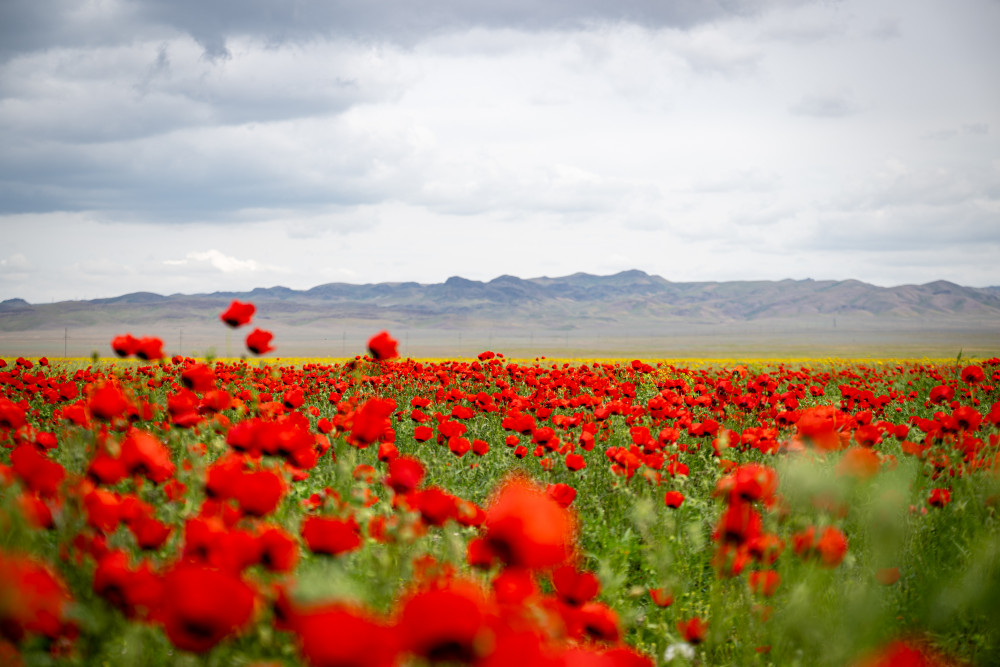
(764, 340)
(824, 512)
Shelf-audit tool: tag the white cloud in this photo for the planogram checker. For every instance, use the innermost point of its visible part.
(220, 262)
(16, 263)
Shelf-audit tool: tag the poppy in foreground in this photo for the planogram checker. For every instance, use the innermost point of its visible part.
(202, 606)
(238, 314)
(259, 341)
(527, 528)
(383, 346)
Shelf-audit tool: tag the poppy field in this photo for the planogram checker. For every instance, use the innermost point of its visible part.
(166, 510)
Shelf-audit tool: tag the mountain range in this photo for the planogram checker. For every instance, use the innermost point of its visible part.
(630, 303)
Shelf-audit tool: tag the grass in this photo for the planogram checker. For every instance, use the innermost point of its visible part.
(948, 557)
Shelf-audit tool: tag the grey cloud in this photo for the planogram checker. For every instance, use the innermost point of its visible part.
(886, 29)
(907, 229)
(903, 208)
(30, 25)
(824, 106)
(745, 180)
(150, 88)
(977, 129)
(898, 185)
(966, 130)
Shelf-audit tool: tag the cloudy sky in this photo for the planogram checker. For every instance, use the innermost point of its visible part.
(192, 146)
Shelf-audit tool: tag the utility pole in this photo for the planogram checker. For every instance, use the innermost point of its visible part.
(65, 341)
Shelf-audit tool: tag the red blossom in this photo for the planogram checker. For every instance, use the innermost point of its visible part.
(201, 606)
(382, 346)
(238, 314)
(673, 499)
(526, 528)
(259, 341)
(694, 630)
(331, 536)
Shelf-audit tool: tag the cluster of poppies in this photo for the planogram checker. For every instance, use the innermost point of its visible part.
(188, 496)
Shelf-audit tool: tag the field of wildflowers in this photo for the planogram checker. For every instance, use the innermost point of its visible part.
(380, 511)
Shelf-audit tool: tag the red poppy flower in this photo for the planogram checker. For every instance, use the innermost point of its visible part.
(259, 341)
(939, 497)
(941, 394)
(279, 552)
(859, 462)
(435, 506)
(564, 494)
(11, 415)
(36, 471)
(150, 533)
(106, 401)
(135, 591)
(446, 622)
(143, 454)
(238, 314)
(973, 374)
(832, 546)
(574, 587)
(371, 420)
(382, 346)
(575, 462)
(459, 446)
(598, 622)
(199, 378)
(405, 474)
(694, 630)
(764, 582)
(887, 576)
(34, 600)
(327, 535)
(738, 524)
(907, 653)
(201, 606)
(340, 635)
(149, 348)
(820, 427)
(105, 469)
(661, 597)
(259, 492)
(124, 346)
(673, 499)
(527, 528)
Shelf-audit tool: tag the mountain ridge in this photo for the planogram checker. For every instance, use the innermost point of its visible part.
(576, 300)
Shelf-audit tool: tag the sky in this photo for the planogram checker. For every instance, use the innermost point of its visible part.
(190, 146)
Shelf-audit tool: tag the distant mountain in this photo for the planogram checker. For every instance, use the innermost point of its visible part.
(577, 301)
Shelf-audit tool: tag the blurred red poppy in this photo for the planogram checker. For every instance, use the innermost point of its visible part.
(341, 635)
(124, 346)
(331, 536)
(34, 599)
(694, 630)
(382, 346)
(201, 606)
(832, 546)
(526, 528)
(238, 314)
(405, 474)
(259, 341)
(446, 622)
(673, 499)
(149, 348)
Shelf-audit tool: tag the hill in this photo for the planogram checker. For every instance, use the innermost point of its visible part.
(624, 306)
